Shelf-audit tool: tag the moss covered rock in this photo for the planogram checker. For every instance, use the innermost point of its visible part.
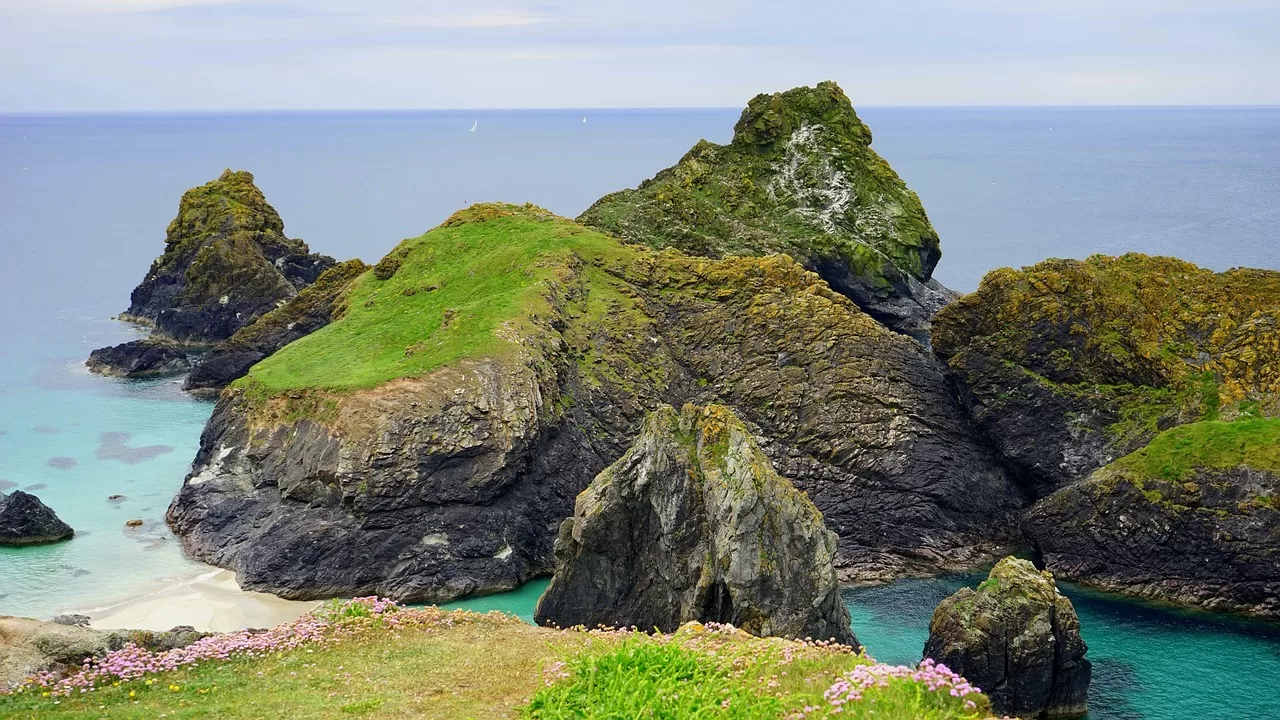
(1016, 638)
(428, 443)
(693, 523)
(1193, 518)
(312, 308)
(226, 261)
(1069, 364)
(799, 178)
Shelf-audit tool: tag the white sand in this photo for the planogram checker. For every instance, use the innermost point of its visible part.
(211, 603)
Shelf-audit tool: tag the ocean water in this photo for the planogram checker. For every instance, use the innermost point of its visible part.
(84, 202)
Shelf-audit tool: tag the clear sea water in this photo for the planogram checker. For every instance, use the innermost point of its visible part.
(84, 201)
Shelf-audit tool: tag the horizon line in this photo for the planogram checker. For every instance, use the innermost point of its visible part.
(654, 108)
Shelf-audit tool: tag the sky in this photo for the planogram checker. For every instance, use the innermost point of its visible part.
(148, 55)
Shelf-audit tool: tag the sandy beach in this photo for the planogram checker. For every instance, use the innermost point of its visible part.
(211, 603)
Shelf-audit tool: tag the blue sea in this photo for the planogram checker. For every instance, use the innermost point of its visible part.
(84, 202)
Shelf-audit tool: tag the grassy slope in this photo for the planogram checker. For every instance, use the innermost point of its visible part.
(1177, 452)
(452, 288)
(492, 667)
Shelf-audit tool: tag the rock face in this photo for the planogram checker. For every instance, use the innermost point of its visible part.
(312, 308)
(29, 646)
(428, 444)
(1068, 365)
(692, 523)
(149, 357)
(226, 261)
(24, 520)
(1193, 518)
(1018, 639)
(799, 178)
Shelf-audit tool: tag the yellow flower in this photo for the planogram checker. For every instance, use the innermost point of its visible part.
(175, 688)
(133, 693)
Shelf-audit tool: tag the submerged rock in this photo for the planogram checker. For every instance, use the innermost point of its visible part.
(149, 357)
(24, 520)
(1069, 364)
(1016, 638)
(428, 444)
(1192, 518)
(693, 523)
(312, 308)
(226, 261)
(800, 178)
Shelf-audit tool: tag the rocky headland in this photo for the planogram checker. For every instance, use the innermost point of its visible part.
(694, 524)
(1018, 639)
(226, 262)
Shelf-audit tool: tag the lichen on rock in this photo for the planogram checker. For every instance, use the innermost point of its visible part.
(226, 261)
(427, 444)
(693, 523)
(800, 178)
(1018, 639)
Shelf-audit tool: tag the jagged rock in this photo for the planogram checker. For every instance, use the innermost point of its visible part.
(1069, 364)
(1017, 639)
(226, 261)
(428, 444)
(312, 308)
(799, 178)
(29, 646)
(693, 523)
(1192, 518)
(149, 357)
(24, 520)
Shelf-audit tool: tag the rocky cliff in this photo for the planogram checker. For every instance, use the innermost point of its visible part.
(1018, 639)
(693, 523)
(1192, 518)
(226, 261)
(312, 308)
(1068, 364)
(428, 443)
(800, 178)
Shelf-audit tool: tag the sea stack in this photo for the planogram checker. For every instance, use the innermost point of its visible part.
(24, 520)
(1018, 639)
(693, 523)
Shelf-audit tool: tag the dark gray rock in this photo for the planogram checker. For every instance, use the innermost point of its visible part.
(24, 520)
(693, 523)
(71, 619)
(1017, 639)
(149, 357)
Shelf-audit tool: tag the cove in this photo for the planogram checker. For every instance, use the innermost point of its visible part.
(1150, 662)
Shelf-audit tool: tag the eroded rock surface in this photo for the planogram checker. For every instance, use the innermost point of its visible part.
(800, 178)
(24, 520)
(149, 357)
(1016, 638)
(693, 523)
(317, 479)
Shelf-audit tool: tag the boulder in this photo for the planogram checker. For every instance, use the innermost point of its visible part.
(693, 523)
(1018, 639)
(226, 261)
(149, 357)
(312, 308)
(1192, 518)
(799, 177)
(24, 520)
(428, 443)
(1068, 365)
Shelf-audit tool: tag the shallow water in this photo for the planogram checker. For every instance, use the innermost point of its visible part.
(84, 202)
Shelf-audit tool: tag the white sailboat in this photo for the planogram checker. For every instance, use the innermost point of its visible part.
(584, 118)
(475, 125)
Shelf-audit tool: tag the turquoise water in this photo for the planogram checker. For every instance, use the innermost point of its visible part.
(1149, 662)
(84, 202)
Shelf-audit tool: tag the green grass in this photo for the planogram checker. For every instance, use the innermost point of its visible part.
(451, 291)
(1176, 453)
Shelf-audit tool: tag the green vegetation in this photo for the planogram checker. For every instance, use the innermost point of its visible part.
(798, 178)
(444, 297)
(1178, 452)
(371, 658)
